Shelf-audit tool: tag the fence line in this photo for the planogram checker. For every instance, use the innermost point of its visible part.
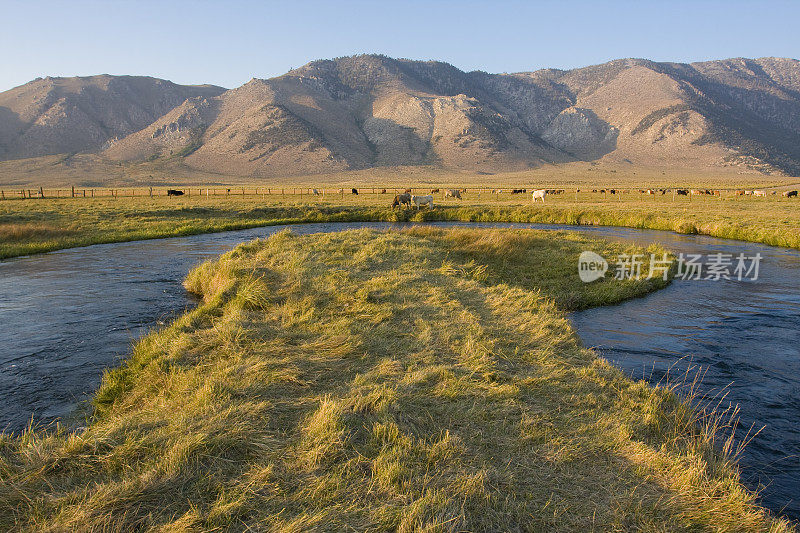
(220, 191)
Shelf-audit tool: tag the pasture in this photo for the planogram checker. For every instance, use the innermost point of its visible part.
(39, 225)
(417, 380)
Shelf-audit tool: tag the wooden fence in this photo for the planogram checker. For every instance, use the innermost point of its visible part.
(217, 192)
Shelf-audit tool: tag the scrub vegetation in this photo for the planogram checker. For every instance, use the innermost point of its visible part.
(416, 380)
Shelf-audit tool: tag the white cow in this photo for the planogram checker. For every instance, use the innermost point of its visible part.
(541, 193)
(452, 193)
(760, 193)
(422, 200)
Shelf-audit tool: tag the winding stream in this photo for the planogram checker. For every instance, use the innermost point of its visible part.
(66, 316)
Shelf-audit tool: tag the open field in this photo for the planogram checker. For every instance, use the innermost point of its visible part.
(36, 225)
(422, 380)
(89, 170)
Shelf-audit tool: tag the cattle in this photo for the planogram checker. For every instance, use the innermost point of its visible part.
(422, 200)
(541, 193)
(612, 191)
(434, 191)
(682, 192)
(651, 191)
(315, 192)
(401, 199)
(790, 194)
(739, 192)
(354, 191)
(760, 193)
(174, 192)
(518, 191)
(452, 193)
(407, 191)
(383, 191)
(696, 191)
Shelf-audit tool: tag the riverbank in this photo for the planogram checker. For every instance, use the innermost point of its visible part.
(399, 380)
(36, 226)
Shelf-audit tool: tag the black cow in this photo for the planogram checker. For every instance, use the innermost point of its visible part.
(354, 190)
(174, 192)
(790, 194)
(682, 192)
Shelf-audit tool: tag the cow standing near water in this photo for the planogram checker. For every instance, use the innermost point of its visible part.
(401, 199)
(541, 193)
(423, 200)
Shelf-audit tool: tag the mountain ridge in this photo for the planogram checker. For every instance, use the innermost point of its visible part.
(360, 112)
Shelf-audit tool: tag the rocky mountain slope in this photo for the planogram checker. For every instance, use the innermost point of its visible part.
(67, 115)
(367, 111)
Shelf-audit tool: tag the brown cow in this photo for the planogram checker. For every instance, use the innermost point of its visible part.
(401, 199)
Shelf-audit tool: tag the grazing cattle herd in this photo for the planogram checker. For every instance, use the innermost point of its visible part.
(539, 194)
(409, 199)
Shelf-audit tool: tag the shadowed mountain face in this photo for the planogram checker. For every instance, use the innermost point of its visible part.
(365, 111)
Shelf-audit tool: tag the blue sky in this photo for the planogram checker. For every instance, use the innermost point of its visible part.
(227, 43)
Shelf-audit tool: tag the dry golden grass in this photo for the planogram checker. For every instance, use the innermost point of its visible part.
(423, 380)
(15, 233)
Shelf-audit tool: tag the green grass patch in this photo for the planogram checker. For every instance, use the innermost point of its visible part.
(420, 380)
(66, 223)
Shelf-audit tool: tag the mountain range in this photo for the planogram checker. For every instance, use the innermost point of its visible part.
(367, 111)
